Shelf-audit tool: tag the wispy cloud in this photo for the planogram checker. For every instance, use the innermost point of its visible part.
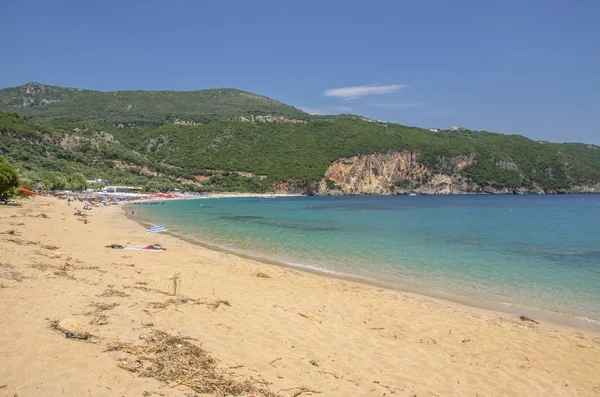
(396, 105)
(328, 110)
(313, 110)
(362, 90)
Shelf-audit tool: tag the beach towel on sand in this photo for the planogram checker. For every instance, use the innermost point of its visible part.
(140, 248)
(150, 247)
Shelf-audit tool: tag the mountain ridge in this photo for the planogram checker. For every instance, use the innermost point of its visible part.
(232, 140)
(42, 102)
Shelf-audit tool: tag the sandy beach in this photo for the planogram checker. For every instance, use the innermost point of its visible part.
(74, 315)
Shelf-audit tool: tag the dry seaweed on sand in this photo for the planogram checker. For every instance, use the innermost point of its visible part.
(101, 307)
(12, 232)
(99, 319)
(62, 273)
(40, 266)
(113, 292)
(146, 289)
(21, 242)
(172, 359)
(122, 264)
(8, 272)
(298, 391)
(40, 215)
(213, 304)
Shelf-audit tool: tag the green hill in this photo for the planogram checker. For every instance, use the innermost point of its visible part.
(231, 140)
(45, 102)
(226, 155)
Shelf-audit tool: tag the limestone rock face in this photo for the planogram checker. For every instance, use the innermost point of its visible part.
(402, 173)
(33, 88)
(372, 173)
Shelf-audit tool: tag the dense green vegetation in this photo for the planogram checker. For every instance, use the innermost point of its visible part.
(45, 102)
(146, 148)
(8, 179)
(165, 157)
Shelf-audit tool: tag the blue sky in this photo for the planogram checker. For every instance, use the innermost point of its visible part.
(528, 67)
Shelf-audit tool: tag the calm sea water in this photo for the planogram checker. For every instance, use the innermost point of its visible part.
(540, 252)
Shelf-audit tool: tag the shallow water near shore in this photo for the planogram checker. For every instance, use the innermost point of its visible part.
(538, 252)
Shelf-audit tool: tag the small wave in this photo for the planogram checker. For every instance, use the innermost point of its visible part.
(317, 269)
(589, 320)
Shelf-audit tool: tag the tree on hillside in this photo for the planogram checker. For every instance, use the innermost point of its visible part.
(9, 179)
(77, 182)
(54, 180)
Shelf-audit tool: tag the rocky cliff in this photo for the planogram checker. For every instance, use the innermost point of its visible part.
(403, 173)
(373, 174)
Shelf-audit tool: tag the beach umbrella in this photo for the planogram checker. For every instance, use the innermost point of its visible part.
(156, 229)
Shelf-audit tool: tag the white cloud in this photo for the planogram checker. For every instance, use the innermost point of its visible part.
(363, 90)
(314, 111)
(327, 110)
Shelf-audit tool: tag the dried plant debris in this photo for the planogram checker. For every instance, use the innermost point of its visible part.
(146, 289)
(7, 271)
(64, 274)
(12, 232)
(122, 264)
(299, 391)
(113, 292)
(174, 360)
(262, 275)
(50, 247)
(93, 268)
(40, 266)
(40, 215)
(213, 304)
(99, 319)
(22, 242)
(101, 307)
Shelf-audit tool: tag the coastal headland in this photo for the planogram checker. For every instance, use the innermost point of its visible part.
(81, 319)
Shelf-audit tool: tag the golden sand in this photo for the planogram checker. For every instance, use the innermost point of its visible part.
(290, 332)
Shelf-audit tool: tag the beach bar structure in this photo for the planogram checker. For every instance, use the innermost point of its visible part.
(122, 189)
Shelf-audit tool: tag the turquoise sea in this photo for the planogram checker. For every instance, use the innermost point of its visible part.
(519, 252)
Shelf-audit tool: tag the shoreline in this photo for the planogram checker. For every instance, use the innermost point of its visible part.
(292, 331)
(570, 321)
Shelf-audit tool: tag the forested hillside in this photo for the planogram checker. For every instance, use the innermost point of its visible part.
(45, 102)
(230, 155)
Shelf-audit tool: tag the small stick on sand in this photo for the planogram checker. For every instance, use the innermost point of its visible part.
(523, 318)
(301, 390)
